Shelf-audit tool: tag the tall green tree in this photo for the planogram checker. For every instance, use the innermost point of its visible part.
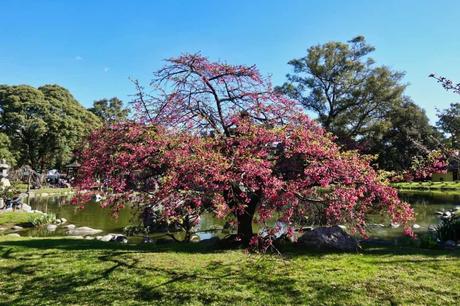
(340, 83)
(44, 124)
(449, 123)
(110, 110)
(5, 152)
(403, 135)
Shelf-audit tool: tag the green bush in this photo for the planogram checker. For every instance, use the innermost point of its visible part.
(449, 229)
(428, 240)
(43, 219)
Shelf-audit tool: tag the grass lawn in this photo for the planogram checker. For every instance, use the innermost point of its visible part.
(429, 185)
(47, 271)
(44, 190)
(12, 218)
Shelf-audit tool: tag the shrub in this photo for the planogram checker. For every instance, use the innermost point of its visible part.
(449, 229)
(43, 219)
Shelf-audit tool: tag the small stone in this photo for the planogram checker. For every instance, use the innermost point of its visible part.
(2, 229)
(416, 226)
(89, 238)
(51, 227)
(69, 226)
(395, 225)
(17, 228)
(119, 238)
(63, 220)
(148, 240)
(195, 238)
(106, 238)
(14, 235)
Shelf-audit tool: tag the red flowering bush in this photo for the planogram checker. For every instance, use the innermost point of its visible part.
(217, 138)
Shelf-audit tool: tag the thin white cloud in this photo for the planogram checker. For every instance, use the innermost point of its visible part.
(106, 69)
(78, 58)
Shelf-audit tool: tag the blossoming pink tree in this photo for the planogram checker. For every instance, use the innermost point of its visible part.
(215, 137)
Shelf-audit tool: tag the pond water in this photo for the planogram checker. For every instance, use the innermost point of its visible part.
(425, 204)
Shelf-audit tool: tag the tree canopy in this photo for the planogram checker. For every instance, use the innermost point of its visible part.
(216, 137)
(5, 151)
(340, 83)
(403, 135)
(110, 110)
(44, 124)
(449, 123)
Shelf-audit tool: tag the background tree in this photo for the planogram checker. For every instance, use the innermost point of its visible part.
(225, 142)
(110, 110)
(403, 135)
(5, 152)
(449, 119)
(449, 123)
(44, 125)
(341, 85)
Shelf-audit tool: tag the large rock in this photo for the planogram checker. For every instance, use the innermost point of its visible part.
(70, 226)
(329, 238)
(83, 231)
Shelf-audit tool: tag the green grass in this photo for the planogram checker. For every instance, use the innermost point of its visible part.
(47, 271)
(451, 186)
(49, 190)
(11, 218)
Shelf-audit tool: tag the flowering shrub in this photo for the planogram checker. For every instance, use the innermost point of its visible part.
(217, 138)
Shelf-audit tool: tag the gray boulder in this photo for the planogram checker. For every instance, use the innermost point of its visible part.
(70, 226)
(113, 238)
(83, 231)
(329, 238)
(26, 208)
(119, 238)
(51, 227)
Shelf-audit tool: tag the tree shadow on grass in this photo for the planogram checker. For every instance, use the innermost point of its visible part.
(83, 244)
(117, 274)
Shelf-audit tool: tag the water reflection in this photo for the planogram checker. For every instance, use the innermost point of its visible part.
(425, 204)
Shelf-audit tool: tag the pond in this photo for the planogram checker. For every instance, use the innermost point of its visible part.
(425, 204)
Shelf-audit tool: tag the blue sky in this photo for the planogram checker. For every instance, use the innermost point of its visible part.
(94, 47)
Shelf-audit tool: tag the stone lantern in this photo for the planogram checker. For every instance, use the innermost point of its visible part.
(4, 167)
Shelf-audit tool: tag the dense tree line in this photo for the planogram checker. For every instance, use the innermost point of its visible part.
(361, 103)
(41, 127)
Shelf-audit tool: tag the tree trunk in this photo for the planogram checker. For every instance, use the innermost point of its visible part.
(245, 223)
(244, 218)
